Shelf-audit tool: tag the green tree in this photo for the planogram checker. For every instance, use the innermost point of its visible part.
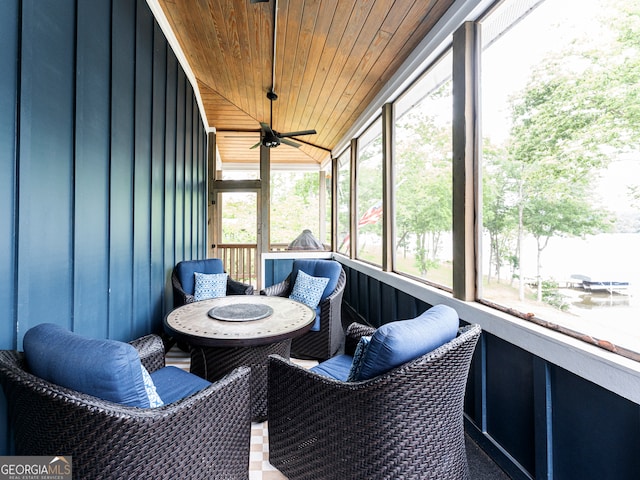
(369, 191)
(578, 109)
(294, 204)
(424, 187)
(498, 213)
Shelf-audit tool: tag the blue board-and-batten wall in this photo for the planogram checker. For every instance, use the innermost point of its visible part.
(103, 161)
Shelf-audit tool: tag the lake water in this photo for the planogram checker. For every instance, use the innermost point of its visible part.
(607, 257)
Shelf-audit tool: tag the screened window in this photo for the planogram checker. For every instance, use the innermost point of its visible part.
(326, 236)
(369, 194)
(561, 164)
(240, 224)
(294, 206)
(344, 198)
(423, 195)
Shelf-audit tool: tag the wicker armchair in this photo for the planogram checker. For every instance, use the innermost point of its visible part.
(325, 342)
(183, 294)
(406, 423)
(203, 436)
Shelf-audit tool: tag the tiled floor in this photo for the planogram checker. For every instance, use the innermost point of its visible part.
(259, 466)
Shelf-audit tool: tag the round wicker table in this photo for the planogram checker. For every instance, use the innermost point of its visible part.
(224, 333)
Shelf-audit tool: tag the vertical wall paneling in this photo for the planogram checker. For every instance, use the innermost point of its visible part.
(9, 54)
(363, 295)
(510, 412)
(473, 401)
(197, 192)
(351, 289)
(91, 182)
(90, 142)
(204, 168)
(171, 188)
(276, 271)
(388, 304)
(143, 92)
(406, 306)
(202, 188)
(543, 413)
(421, 307)
(122, 168)
(45, 168)
(374, 306)
(158, 125)
(595, 432)
(180, 167)
(189, 184)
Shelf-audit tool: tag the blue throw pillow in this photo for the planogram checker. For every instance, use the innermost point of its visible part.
(399, 342)
(358, 355)
(319, 268)
(210, 285)
(308, 289)
(154, 398)
(106, 369)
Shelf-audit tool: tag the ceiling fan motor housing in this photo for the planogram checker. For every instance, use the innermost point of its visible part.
(270, 141)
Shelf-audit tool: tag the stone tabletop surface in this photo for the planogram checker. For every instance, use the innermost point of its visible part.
(194, 320)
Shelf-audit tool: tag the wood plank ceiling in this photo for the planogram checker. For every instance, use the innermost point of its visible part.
(331, 59)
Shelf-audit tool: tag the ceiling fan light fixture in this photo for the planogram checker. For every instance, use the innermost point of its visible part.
(271, 141)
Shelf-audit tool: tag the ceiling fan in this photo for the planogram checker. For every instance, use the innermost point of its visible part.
(270, 137)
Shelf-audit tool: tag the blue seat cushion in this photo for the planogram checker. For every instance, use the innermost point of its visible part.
(185, 271)
(337, 367)
(173, 384)
(106, 369)
(398, 342)
(318, 268)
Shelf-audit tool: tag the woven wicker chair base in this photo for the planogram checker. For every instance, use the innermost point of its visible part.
(213, 363)
(204, 436)
(326, 342)
(406, 423)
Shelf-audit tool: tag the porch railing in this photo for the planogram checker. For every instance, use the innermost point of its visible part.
(241, 260)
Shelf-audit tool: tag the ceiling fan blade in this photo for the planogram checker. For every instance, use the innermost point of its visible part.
(267, 128)
(300, 133)
(313, 145)
(289, 142)
(256, 145)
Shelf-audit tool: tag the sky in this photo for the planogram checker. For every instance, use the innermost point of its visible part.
(507, 63)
